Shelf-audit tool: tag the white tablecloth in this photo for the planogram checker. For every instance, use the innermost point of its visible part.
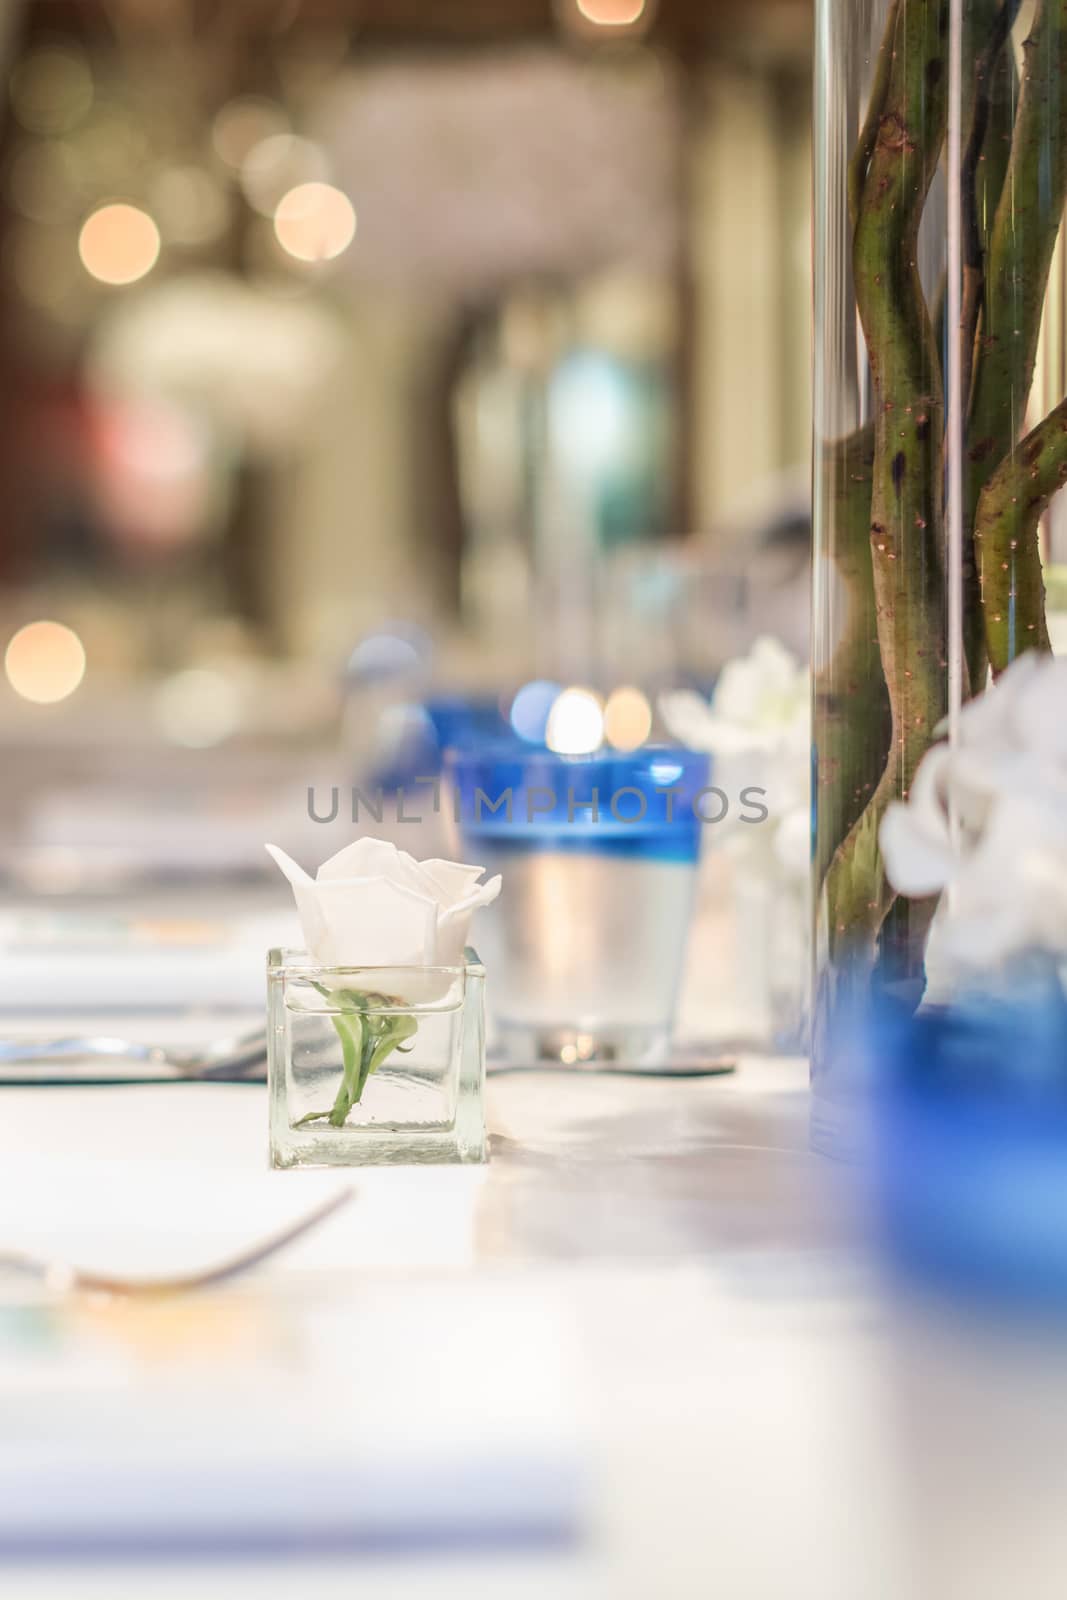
(653, 1292)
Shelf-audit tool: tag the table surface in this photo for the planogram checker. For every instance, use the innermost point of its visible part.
(656, 1280)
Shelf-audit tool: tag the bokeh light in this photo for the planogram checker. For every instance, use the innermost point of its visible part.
(575, 723)
(44, 662)
(51, 90)
(118, 244)
(151, 473)
(198, 708)
(627, 718)
(594, 424)
(395, 651)
(531, 708)
(242, 124)
(612, 13)
(277, 164)
(315, 222)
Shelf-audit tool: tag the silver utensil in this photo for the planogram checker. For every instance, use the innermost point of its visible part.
(706, 1065)
(104, 1060)
(101, 1059)
(63, 1277)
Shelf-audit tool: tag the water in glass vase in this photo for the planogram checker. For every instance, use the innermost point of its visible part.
(375, 1066)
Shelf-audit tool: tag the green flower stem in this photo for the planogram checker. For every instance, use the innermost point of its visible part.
(393, 1034)
(368, 1037)
(353, 1036)
(1009, 514)
(1016, 280)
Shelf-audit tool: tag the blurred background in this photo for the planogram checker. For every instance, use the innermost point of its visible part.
(370, 372)
(319, 316)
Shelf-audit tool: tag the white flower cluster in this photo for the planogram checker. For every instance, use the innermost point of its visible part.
(986, 821)
(758, 727)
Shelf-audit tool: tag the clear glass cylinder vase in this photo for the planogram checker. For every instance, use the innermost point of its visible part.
(940, 434)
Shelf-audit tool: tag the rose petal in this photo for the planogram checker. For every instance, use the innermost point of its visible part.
(406, 913)
(453, 925)
(1037, 710)
(928, 796)
(1006, 893)
(978, 778)
(447, 881)
(780, 674)
(306, 897)
(738, 692)
(687, 717)
(918, 856)
(987, 718)
(915, 837)
(372, 858)
(370, 922)
(689, 720)
(792, 843)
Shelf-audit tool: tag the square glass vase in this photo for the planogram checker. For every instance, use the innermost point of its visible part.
(375, 1065)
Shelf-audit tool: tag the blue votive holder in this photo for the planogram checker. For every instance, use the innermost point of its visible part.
(599, 855)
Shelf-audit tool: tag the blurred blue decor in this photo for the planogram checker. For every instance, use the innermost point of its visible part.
(397, 651)
(599, 854)
(415, 737)
(646, 804)
(970, 1140)
(531, 707)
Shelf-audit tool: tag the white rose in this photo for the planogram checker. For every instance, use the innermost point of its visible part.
(372, 905)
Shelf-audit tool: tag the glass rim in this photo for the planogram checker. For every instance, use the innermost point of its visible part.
(284, 962)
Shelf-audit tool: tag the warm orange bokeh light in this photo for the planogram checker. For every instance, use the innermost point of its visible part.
(314, 222)
(627, 718)
(611, 13)
(118, 244)
(45, 662)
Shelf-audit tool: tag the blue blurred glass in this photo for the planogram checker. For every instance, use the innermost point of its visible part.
(645, 804)
(585, 948)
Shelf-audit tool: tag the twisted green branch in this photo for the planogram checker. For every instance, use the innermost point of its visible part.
(905, 519)
(1015, 286)
(1014, 188)
(861, 157)
(851, 702)
(1009, 515)
(989, 112)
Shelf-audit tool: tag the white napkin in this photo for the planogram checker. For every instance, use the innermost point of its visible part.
(64, 962)
(324, 1409)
